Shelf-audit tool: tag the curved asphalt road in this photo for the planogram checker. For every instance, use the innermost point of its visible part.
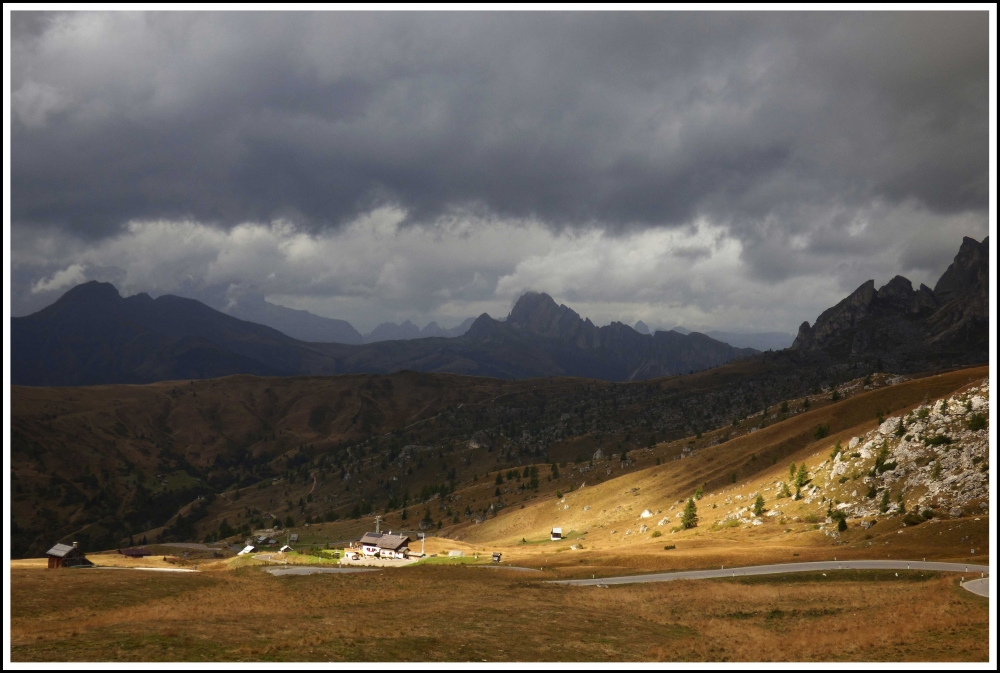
(980, 587)
(781, 568)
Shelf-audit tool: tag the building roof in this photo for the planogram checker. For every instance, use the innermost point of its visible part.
(393, 542)
(61, 550)
(370, 538)
(294, 537)
(557, 530)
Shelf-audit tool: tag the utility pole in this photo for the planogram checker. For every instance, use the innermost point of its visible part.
(422, 536)
(378, 519)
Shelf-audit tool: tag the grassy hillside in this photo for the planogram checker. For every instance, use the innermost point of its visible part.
(200, 459)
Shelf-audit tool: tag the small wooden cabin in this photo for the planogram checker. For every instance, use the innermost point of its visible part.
(66, 556)
(556, 534)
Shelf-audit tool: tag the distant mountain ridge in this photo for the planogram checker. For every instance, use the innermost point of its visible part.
(92, 335)
(296, 323)
(389, 331)
(306, 326)
(950, 322)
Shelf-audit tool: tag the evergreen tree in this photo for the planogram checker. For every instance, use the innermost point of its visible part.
(884, 504)
(791, 472)
(690, 517)
(758, 505)
(802, 476)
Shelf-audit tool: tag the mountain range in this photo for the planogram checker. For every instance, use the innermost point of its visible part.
(903, 326)
(92, 335)
(762, 341)
(306, 326)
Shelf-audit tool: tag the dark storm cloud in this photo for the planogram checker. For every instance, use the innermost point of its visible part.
(585, 119)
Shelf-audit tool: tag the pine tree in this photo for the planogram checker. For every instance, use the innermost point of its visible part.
(936, 472)
(802, 476)
(884, 504)
(690, 517)
(758, 505)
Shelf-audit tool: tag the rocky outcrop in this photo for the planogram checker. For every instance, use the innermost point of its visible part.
(932, 462)
(949, 322)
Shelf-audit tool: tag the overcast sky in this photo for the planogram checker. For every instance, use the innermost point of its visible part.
(738, 171)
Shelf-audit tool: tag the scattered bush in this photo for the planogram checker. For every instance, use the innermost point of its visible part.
(836, 449)
(937, 440)
(821, 431)
(669, 546)
(977, 422)
(656, 533)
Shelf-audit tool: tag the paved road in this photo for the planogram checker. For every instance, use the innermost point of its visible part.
(159, 570)
(781, 568)
(501, 567)
(980, 587)
(312, 570)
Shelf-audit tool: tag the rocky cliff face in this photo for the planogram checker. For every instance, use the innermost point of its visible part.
(950, 321)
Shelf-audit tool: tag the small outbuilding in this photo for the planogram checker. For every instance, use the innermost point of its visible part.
(249, 549)
(556, 534)
(294, 537)
(67, 556)
(285, 548)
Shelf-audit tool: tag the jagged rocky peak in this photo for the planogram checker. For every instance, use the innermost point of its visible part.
(538, 313)
(897, 289)
(950, 320)
(843, 316)
(641, 327)
(965, 271)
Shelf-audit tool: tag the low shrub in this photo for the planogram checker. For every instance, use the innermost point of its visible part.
(977, 422)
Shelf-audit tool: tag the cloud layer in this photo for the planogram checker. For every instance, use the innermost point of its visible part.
(368, 164)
